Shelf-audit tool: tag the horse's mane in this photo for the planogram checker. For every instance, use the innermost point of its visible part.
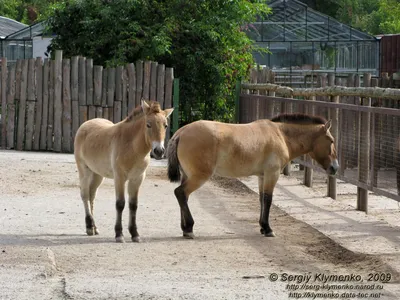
(137, 112)
(299, 119)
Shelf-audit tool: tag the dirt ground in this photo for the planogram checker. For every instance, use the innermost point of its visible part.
(45, 253)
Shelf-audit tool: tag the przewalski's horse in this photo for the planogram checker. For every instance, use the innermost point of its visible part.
(120, 151)
(262, 148)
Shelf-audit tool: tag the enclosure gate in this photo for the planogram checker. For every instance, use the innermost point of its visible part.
(43, 103)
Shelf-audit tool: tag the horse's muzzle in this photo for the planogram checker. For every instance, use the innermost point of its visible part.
(158, 152)
(333, 168)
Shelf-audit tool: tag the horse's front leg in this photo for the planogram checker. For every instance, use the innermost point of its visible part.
(119, 183)
(133, 191)
(268, 184)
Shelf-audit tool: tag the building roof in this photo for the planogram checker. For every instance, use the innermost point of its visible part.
(292, 20)
(9, 26)
(31, 31)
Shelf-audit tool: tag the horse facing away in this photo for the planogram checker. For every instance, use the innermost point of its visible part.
(262, 148)
(120, 151)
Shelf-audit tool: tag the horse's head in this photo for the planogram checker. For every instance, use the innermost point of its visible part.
(156, 125)
(324, 151)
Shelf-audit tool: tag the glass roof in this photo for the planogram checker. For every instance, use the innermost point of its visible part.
(292, 20)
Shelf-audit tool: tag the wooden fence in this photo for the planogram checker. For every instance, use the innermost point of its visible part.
(366, 124)
(43, 103)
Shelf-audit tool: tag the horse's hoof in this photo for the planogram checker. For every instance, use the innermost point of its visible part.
(136, 239)
(262, 231)
(269, 234)
(188, 235)
(90, 231)
(120, 239)
(96, 232)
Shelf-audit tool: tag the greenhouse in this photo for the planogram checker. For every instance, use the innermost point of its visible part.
(303, 42)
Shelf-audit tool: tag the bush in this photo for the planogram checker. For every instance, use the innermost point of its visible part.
(201, 40)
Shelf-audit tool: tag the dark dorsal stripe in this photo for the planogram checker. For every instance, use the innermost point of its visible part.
(298, 119)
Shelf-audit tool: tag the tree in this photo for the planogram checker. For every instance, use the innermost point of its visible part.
(201, 40)
(372, 16)
(25, 11)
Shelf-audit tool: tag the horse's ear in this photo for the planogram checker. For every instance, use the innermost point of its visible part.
(328, 125)
(168, 112)
(145, 107)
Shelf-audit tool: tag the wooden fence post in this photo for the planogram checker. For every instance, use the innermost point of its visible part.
(364, 150)
(3, 102)
(111, 92)
(11, 108)
(57, 101)
(146, 80)
(66, 106)
(31, 99)
(139, 82)
(237, 100)
(161, 84)
(132, 86)
(175, 113)
(124, 83)
(169, 81)
(45, 108)
(22, 105)
(74, 95)
(334, 116)
(82, 90)
(153, 80)
(89, 81)
(39, 102)
(97, 84)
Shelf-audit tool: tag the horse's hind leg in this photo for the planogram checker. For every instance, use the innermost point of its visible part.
(266, 191)
(95, 182)
(133, 191)
(182, 192)
(85, 178)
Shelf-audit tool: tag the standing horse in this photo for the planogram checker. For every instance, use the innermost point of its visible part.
(262, 148)
(120, 151)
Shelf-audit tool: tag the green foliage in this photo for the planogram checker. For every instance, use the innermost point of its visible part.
(201, 40)
(25, 11)
(372, 16)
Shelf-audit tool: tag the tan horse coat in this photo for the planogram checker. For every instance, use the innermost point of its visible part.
(122, 152)
(262, 148)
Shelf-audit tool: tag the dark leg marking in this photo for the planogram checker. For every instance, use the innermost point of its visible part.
(119, 205)
(261, 197)
(187, 221)
(264, 222)
(89, 224)
(132, 227)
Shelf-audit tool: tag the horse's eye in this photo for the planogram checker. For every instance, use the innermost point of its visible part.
(166, 125)
(148, 125)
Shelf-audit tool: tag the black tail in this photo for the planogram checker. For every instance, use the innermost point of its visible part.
(174, 173)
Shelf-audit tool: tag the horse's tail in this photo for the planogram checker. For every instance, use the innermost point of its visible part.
(174, 173)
